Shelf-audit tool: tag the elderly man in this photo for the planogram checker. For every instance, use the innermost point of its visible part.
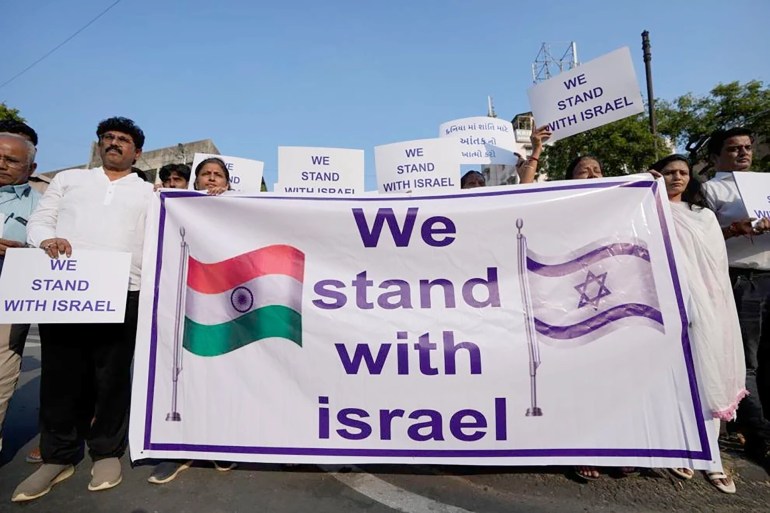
(17, 202)
(748, 252)
(85, 382)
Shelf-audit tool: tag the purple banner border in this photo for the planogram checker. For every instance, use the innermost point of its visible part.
(703, 454)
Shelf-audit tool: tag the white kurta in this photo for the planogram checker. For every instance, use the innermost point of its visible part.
(715, 334)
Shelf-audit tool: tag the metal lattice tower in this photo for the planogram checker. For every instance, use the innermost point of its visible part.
(546, 65)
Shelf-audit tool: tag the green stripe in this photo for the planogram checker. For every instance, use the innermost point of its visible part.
(218, 339)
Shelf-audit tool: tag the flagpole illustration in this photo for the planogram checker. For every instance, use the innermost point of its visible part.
(176, 369)
(529, 321)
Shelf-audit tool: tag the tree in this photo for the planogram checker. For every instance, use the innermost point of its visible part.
(625, 146)
(7, 112)
(690, 119)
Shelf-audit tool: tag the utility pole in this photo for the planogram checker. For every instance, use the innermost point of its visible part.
(650, 96)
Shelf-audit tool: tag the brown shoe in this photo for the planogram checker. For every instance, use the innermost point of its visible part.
(105, 474)
(41, 481)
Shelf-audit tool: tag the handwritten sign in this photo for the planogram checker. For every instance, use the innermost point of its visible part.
(421, 166)
(245, 174)
(754, 189)
(90, 287)
(320, 171)
(594, 94)
(483, 140)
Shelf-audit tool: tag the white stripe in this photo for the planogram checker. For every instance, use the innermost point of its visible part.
(274, 289)
(390, 495)
(32, 344)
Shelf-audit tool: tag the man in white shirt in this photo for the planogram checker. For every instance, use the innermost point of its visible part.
(85, 382)
(748, 252)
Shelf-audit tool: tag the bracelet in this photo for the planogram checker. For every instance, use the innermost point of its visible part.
(533, 158)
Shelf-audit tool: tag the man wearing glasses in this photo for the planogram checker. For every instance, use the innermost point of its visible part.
(17, 202)
(85, 382)
(748, 252)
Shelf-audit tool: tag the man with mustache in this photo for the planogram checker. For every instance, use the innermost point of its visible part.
(17, 202)
(748, 252)
(85, 382)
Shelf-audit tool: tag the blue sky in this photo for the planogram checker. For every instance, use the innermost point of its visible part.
(253, 76)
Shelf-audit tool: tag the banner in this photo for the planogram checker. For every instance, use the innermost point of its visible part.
(320, 171)
(537, 325)
(591, 95)
(89, 287)
(424, 166)
(245, 174)
(483, 140)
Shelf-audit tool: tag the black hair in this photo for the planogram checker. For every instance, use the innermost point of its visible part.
(569, 174)
(693, 193)
(467, 176)
(12, 126)
(124, 125)
(182, 170)
(141, 174)
(214, 160)
(718, 138)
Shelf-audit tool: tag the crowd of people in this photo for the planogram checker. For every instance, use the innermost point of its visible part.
(85, 382)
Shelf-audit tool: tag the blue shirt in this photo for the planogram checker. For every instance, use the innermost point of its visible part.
(17, 202)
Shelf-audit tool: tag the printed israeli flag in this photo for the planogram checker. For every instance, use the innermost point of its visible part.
(590, 292)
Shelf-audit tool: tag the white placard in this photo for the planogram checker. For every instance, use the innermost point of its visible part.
(320, 171)
(89, 287)
(483, 140)
(3, 220)
(755, 192)
(421, 166)
(245, 174)
(594, 94)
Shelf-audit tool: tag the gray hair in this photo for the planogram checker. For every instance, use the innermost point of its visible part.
(31, 150)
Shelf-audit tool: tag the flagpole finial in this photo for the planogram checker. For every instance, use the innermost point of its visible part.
(182, 232)
(520, 224)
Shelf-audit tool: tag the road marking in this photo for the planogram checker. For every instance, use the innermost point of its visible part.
(32, 344)
(389, 495)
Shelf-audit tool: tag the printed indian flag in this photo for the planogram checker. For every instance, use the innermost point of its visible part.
(249, 297)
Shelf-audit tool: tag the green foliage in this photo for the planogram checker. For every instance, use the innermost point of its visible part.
(624, 147)
(7, 112)
(689, 119)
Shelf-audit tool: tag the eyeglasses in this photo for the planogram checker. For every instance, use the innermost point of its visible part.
(122, 139)
(12, 162)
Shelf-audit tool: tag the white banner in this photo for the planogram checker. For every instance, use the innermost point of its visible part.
(754, 189)
(422, 166)
(320, 171)
(593, 94)
(483, 140)
(89, 287)
(245, 174)
(392, 329)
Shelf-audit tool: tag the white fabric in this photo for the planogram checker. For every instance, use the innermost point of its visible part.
(725, 200)
(715, 334)
(92, 212)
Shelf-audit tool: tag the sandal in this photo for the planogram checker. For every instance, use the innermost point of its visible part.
(721, 482)
(682, 473)
(586, 474)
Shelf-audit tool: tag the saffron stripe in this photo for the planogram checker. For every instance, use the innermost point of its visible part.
(218, 339)
(579, 263)
(218, 277)
(598, 321)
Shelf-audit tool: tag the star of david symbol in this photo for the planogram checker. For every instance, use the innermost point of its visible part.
(587, 287)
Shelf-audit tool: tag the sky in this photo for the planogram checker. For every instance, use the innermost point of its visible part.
(253, 76)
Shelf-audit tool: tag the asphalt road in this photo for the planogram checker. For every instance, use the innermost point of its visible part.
(310, 488)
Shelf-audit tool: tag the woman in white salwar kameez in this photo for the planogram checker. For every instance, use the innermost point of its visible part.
(715, 336)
